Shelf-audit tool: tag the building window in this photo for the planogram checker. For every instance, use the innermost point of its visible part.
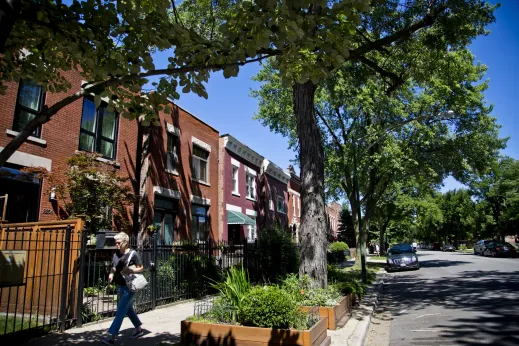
(235, 180)
(299, 206)
(293, 204)
(281, 204)
(200, 164)
(23, 191)
(28, 105)
(199, 225)
(251, 186)
(171, 152)
(165, 212)
(251, 232)
(98, 130)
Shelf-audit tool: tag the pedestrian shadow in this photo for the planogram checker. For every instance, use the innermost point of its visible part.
(94, 337)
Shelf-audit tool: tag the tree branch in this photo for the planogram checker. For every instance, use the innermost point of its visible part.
(397, 81)
(95, 88)
(334, 136)
(426, 21)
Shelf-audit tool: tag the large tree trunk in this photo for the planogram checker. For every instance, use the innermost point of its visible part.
(313, 217)
(9, 12)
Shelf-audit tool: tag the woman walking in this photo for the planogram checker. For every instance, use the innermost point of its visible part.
(125, 261)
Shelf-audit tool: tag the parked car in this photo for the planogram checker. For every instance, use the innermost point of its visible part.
(436, 247)
(495, 249)
(480, 246)
(401, 257)
(448, 247)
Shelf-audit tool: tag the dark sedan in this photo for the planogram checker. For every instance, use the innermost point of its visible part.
(401, 257)
(448, 247)
(496, 248)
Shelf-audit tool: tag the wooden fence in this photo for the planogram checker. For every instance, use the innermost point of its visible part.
(39, 274)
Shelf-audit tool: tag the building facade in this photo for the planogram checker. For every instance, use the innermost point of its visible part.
(278, 191)
(294, 203)
(179, 178)
(334, 215)
(80, 126)
(240, 168)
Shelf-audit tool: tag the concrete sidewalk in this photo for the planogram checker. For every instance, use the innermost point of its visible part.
(162, 326)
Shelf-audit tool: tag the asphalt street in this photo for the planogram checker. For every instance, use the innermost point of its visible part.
(454, 299)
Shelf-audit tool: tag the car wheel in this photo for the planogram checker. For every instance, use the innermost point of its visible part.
(493, 254)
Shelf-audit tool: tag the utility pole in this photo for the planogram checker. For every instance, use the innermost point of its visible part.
(359, 217)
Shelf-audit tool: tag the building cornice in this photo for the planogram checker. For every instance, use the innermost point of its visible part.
(243, 151)
(275, 171)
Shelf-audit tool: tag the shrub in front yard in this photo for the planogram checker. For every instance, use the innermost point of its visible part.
(271, 307)
(299, 288)
(278, 255)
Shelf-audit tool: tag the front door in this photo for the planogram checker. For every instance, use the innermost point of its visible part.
(234, 234)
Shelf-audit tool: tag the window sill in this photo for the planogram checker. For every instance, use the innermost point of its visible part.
(235, 194)
(201, 182)
(251, 199)
(172, 171)
(108, 161)
(32, 139)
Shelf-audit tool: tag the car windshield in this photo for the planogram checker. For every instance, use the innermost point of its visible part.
(396, 250)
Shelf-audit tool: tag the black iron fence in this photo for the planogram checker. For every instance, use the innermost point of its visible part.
(64, 278)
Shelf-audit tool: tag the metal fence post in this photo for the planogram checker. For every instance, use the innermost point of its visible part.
(153, 271)
(81, 283)
(64, 282)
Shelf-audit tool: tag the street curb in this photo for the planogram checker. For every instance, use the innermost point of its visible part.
(372, 302)
(360, 320)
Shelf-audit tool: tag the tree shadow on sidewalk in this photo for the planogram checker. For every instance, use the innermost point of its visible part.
(489, 301)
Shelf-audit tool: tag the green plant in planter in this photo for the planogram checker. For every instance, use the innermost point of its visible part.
(271, 307)
(235, 287)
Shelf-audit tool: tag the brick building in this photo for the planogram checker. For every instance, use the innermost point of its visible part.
(178, 183)
(240, 167)
(78, 126)
(294, 202)
(334, 215)
(179, 178)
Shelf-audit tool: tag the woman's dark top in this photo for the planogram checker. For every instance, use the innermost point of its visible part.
(119, 262)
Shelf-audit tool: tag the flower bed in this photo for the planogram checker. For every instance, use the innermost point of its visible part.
(199, 333)
(335, 313)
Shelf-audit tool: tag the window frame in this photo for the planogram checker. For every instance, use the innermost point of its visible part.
(200, 159)
(235, 180)
(98, 137)
(282, 200)
(163, 212)
(174, 153)
(252, 229)
(252, 188)
(19, 107)
(207, 226)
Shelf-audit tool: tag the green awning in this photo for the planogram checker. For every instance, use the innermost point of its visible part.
(237, 218)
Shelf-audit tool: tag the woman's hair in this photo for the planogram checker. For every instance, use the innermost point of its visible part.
(123, 238)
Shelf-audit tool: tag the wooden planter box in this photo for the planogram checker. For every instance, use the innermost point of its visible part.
(207, 334)
(335, 313)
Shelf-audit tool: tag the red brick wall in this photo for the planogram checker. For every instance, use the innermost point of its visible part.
(157, 175)
(62, 135)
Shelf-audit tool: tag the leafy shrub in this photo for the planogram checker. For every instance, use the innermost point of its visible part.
(271, 307)
(235, 287)
(277, 254)
(462, 247)
(338, 246)
(304, 295)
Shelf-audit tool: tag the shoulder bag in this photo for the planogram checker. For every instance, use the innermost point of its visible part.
(134, 281)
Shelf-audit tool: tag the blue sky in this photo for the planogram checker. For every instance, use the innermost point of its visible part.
(229, 108)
